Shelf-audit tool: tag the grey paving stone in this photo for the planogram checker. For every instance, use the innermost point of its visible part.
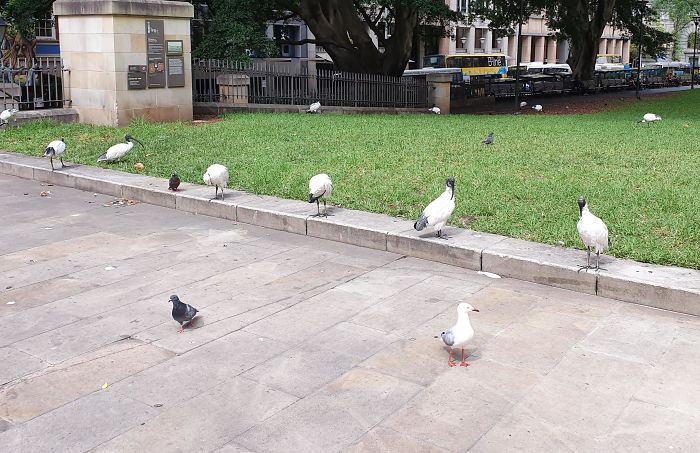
(59, 385)
(78, 426)
(199, 370)
(461, 405)
(302, 370)
(205, 422)
(384, 440)
(332, 418)
(22, 364)
(32, 322)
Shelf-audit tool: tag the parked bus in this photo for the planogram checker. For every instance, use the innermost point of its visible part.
(472, 65)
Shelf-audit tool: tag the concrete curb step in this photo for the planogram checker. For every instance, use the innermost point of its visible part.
(670, 288)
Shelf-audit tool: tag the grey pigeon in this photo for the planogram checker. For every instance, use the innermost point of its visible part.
(489, 139)
(182, 312)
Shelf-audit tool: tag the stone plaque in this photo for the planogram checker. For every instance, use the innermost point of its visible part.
(155, 52)
(174, 47)
(136, 77)
(176, 72)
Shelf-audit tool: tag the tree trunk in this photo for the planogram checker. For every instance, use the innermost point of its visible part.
(337, 26)
(584, 42)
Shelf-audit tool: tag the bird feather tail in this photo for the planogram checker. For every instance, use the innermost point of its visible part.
(102, 158)
(421, 223)
(50, 152)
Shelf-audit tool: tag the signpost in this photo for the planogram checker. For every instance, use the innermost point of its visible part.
(155, 53)
(136, 77)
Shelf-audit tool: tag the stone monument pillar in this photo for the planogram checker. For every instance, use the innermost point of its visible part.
(128, 59)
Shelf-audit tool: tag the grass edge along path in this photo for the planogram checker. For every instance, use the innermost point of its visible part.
(643, 180)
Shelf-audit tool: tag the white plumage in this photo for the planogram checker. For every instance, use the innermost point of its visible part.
(650, 118)
(459, 334)
(314, 108)
(537, 108)
(435, 110)
(320, 186)
(119, 150)
(523, 104)
(593, 233)
(439, 210)
(55, 149)
(8, 115)
(217, 176)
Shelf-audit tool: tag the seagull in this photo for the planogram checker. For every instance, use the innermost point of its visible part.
(649, 118)
(489, 139)
(216, 175)
(460, 334)
(173, 182)
(7, 115)
(320, 186)
(523, 104)
(119, 150)
(182, 312)
(435, 110)
(55, 149)
(439, 210)
(537, 108)
(593, 233)
(314, 108)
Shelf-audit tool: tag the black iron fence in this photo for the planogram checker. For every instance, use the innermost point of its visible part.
(277, 83)
(34, 85)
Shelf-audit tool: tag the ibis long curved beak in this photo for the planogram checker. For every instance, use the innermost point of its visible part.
(138, 141)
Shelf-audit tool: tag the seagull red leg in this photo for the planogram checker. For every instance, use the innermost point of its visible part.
(451, 362)
(463, 363)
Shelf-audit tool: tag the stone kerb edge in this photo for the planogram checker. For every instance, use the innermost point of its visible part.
(483, 254)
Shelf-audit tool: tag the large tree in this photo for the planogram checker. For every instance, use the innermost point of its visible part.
(581, 22)
(20, 14)
(233, 29)
(345, 27)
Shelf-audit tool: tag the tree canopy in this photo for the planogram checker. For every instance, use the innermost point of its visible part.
(581, 22)
(20, 14)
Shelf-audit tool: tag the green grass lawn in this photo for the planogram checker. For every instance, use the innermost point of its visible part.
(643, 180)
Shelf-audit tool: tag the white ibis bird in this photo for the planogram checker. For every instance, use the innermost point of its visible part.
(523, 104)
(119, 150)
(537, 108)
(216, 175)
(55, 149)
(593, 233)
(459, 334)
(314, 108)
(320, 186)
(649, 118)
(435, 110)
(439, 210)
(8, 115)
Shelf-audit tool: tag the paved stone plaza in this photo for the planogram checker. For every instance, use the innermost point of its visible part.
(306, 345)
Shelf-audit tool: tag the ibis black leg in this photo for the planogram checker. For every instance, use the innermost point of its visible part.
(51, 160)
(62, 164)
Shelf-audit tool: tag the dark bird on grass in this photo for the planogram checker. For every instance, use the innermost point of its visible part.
(182, 312)
(489, 139)
(55, 149)
(173, 182)
(439, 210)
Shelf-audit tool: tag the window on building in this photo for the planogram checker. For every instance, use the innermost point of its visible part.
(287, 33)
(462, 6)
(45, 28)
(479, 38)
(496, 41)
(462, 37)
